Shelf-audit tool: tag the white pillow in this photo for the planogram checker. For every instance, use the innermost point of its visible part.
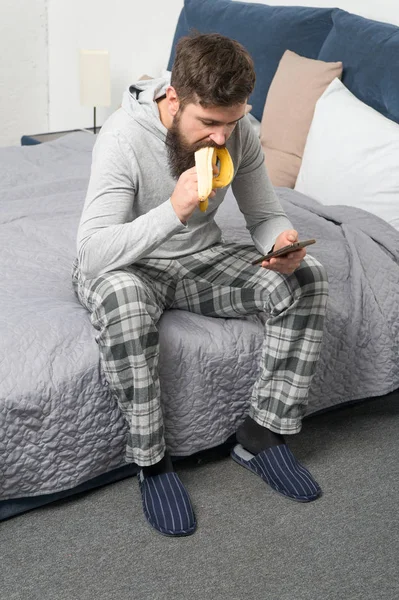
(351, 156)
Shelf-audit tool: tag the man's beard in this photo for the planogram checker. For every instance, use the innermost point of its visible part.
(180, 152)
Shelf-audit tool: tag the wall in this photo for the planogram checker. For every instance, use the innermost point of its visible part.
(23, 68)
(40, 41)
(39, 49)
(138, 35)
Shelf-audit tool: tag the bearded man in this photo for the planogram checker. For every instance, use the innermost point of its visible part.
(145, 247)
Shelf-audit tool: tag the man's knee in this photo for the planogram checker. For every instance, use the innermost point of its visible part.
(308, 283)
(114, 292)
(312, 276)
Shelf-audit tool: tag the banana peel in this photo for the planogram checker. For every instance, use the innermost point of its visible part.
(205, 160)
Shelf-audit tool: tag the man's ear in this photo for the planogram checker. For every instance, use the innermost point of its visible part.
(172, 98)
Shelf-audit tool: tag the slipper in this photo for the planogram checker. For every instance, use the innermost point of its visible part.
(278, 467)
(166, 504)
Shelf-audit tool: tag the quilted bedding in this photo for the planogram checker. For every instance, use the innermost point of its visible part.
(60, 426)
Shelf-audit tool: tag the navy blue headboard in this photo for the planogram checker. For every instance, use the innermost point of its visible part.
(265, 31)
(369, 50)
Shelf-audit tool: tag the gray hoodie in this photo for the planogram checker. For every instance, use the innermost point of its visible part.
(128, 215)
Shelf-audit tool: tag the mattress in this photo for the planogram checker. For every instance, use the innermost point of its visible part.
(60, 425)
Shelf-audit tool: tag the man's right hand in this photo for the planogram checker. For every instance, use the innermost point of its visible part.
(185, 195)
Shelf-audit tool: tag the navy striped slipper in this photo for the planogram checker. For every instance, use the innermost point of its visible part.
(278, 467)
(166, 504)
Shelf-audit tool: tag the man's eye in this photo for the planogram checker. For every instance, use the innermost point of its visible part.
(211, 124)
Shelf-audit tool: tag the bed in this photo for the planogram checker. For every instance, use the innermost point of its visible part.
(60, 429)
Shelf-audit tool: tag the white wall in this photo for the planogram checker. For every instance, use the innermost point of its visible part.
(138, 35)
(23, 68)
(40, 41)
(39, 49)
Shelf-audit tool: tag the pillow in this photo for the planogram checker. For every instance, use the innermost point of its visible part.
(370, 52)
(297, 85)
(351, 156)
(264, 30)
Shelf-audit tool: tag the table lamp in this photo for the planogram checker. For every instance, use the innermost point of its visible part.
(95, 80)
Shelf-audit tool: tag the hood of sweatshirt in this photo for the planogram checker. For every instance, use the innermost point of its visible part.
(139, 101)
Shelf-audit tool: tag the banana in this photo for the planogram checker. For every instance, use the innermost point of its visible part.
(205, 159)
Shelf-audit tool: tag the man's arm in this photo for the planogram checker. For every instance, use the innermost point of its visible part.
(255, 195)
(108, 238)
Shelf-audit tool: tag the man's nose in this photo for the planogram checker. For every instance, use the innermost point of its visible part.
(219, 137)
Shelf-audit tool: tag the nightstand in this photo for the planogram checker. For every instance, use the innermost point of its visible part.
(33, 140)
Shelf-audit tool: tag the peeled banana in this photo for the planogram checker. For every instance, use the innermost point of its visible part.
(205, 159)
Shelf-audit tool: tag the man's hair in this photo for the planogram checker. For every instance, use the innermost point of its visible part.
(212, 70)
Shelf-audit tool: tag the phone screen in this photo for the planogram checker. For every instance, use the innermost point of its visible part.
(285, 250)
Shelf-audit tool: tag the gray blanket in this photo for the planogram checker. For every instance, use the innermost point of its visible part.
(59, 425)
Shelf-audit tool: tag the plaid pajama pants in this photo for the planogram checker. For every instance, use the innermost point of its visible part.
(126, 305)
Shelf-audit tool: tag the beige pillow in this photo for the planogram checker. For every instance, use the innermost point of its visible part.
(297, 85)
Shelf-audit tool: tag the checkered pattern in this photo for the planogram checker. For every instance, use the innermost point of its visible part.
(126, 306)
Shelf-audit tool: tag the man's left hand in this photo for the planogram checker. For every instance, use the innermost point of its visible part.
(288, 263)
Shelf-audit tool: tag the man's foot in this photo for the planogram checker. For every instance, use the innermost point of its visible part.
(166, 503)
(278, 467)
(255, 438)
(164, 465)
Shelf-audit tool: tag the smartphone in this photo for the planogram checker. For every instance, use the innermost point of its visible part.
(284, 250)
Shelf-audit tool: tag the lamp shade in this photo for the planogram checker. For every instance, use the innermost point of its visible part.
(95, 80)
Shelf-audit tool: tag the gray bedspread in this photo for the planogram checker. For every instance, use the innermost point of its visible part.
(59, 425)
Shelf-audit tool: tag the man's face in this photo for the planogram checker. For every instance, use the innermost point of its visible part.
(196, 127)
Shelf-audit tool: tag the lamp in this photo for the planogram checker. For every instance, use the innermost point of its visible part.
(95, 80)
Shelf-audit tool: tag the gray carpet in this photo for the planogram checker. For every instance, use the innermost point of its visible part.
(251, 544)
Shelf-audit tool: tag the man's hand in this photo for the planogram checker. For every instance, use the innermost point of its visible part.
(185, 196)
(288, 263)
